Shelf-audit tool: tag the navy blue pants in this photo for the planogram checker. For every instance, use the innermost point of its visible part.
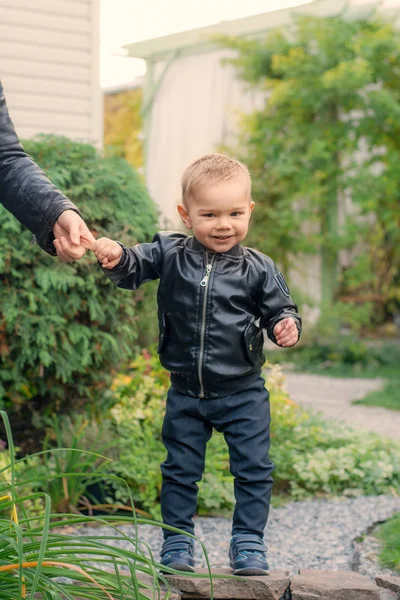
(244, 419)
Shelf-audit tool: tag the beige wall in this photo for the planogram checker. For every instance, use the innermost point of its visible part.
(49, 67)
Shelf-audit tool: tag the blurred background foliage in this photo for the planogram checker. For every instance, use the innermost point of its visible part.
(123, 125)
(324, 155)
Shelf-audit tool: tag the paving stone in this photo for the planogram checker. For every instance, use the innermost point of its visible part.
(312, 584)
(389, 582)
(267, 587)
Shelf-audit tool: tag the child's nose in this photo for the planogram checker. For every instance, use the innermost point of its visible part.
(223, 224)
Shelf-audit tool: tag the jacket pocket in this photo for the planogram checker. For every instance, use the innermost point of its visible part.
(253, 344)
(162, 321)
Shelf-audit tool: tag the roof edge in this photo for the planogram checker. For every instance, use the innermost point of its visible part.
(237, 27)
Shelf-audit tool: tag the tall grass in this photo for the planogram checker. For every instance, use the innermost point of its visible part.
(42, 558)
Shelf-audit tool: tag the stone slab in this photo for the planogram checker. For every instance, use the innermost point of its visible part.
(389, 582)
(312, 584)
(266, 587)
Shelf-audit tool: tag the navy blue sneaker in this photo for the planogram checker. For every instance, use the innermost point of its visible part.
(177, 553)
(247, 555)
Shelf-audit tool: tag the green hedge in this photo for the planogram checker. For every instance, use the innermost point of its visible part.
(64, 328)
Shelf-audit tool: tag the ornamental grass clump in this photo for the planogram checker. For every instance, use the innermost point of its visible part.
(43, 557)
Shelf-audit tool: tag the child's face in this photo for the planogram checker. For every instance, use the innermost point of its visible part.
(219, 214)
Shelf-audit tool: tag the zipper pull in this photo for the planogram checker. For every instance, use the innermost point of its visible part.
(206, 277)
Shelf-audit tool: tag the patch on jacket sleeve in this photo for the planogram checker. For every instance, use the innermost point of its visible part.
(280, 280)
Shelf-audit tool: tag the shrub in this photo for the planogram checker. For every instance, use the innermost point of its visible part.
(313, 456)
(63, 327)
(331, 89)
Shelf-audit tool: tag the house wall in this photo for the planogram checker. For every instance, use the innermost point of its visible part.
(49, 67)
(194, 111)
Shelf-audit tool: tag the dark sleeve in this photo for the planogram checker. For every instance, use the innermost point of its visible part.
(273, 297)
(24, 189)
(137, 265)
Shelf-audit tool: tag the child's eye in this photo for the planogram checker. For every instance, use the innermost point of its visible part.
(209, 215)
(235, 214)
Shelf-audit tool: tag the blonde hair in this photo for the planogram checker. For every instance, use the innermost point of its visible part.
(211, 168)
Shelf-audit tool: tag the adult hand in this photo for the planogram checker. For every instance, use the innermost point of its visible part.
(286, 333)
(72, 235)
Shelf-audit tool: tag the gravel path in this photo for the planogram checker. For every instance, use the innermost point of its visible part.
(333, 396)
(316, 534)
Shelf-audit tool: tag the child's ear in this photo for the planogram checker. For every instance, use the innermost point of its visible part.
(184, 215)
(252, 205)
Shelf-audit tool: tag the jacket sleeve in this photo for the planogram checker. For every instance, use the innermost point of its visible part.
(143, 262)
(273, 298)
(24, 189)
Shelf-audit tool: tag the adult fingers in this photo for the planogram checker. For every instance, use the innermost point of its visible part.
(60, 253)
(63, 251)
(69, 251)
(86, 237)
(71, 226)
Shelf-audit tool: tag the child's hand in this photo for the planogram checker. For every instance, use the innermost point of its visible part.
(107, 252)
(286, 333)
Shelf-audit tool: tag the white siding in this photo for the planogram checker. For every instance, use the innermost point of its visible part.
(194, 111)
(49, 67)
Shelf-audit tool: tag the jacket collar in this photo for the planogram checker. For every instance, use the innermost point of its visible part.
(194, 244)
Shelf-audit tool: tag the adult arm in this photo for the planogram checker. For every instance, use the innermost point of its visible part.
(25, 190)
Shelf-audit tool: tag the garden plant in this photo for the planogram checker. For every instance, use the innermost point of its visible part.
(42, 557)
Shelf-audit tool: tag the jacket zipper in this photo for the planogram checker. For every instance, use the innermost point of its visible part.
(204, 283)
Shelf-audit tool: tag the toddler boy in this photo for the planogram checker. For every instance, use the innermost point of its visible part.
(214, 299)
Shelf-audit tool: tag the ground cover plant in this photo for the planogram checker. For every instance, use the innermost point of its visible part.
(313, 456)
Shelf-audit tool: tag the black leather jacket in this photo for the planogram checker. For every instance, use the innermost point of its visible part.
(24, 189)
(212, 309)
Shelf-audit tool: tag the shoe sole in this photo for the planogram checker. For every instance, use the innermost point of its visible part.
(180, 567)
(251, 571)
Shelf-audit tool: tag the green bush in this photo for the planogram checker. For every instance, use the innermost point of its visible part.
(64, 327)
(313, 456)
(322, 104)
